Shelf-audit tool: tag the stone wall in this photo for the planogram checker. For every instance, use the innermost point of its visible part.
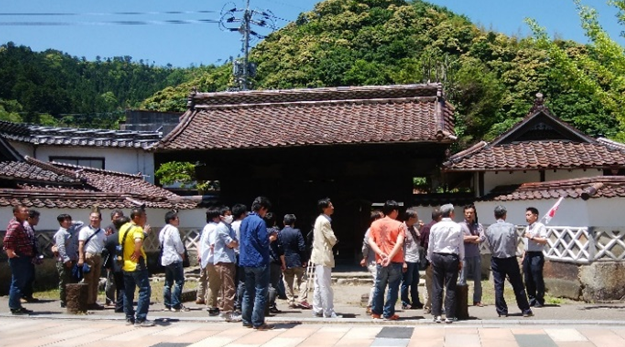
(601, 281)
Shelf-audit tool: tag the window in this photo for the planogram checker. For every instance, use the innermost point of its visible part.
(97, 163)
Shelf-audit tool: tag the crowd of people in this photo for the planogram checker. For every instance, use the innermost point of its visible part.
(247, 262)
(450, 253)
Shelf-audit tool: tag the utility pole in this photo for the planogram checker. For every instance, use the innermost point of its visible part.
(243, 69)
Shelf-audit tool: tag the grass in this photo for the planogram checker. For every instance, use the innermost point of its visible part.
(156, 287)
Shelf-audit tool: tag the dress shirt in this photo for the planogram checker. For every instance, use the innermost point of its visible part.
(536, 229)
(206, 241)
(66, 240)
(502, 239)
(170, 241)
(446, 237)
(254, 248)
(17, 239)
(223, 236)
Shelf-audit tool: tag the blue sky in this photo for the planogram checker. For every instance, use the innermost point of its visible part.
(92, 34)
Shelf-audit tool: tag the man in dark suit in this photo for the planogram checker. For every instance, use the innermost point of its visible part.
(296, 258)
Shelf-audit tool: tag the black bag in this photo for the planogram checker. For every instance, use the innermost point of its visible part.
(185, 258)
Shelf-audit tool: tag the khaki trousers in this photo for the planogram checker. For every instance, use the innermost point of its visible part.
(92, 278)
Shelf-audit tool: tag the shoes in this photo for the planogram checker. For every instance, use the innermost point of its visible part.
(235, 317)
(264, 327)
(249, 326)
(318, 314)
(393, 317)
(95, 306)
(368, 310)
(200, 301)
(503, 314)
(144, 324)
(417, 306)
(119, 310)
(438, 319)
(305, 305)
(478, 304)
(230, 317)
(376, 316)
(214, 311)
(130, 321)
(63, 305)
(20, 310)
(539, 305)
(528, 313)
(274, 309)
(406, 307)
(180, 309)
(427, 310)
(333, 315)
(450, 320)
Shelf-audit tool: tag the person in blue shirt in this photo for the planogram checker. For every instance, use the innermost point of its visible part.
(254, 258)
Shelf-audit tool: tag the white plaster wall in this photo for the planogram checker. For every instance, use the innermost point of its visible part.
(425, 213)
(22, 148)
(566, 174)
(128, 160)
(492, 179)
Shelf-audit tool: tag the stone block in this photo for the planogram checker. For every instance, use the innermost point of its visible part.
(76, 297)
(603, 281)
(562, 288)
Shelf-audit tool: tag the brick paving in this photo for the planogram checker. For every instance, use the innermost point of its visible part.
(36, 331)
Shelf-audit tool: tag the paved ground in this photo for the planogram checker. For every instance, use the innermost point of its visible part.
(578, 325)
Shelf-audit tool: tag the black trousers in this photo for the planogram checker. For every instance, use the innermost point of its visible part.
(533, 264)
(444, 272)
(501, 268)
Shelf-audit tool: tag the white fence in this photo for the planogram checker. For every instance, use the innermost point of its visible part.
(581, 245)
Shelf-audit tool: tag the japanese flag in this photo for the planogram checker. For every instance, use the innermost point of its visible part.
(552, 211)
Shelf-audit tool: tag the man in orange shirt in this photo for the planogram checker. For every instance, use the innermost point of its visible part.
(386, 240)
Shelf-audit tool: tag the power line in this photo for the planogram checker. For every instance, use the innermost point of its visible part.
(115, 22)
(128, 13)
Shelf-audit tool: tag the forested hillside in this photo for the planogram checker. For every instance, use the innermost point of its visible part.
(54, 88)
(491, 78)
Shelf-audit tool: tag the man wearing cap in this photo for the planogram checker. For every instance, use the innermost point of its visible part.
(502, 240)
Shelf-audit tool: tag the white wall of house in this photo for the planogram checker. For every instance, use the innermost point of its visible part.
(550, 175)
(128, 160)
(500, 178)
(572, 212)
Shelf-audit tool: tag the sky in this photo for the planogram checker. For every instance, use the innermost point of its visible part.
(90, 28)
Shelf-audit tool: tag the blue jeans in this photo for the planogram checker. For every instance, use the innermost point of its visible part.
(390, 275)
(174, 276)
(133, 279)
(410, 285)
(256, 286)
(21, 274)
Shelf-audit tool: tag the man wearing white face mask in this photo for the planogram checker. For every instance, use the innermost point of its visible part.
(225, 263)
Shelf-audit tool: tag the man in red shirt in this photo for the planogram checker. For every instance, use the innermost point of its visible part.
(386, 239)
(19, 247)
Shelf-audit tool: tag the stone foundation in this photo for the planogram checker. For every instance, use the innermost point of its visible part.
(596, 282)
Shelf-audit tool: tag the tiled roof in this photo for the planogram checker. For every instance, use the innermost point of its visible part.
(56, 136)
(56, 185)
(536, 155)
(27, 172)
(322, 116)
(610, 187)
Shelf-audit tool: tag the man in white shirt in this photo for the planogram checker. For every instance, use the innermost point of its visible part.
(171, 258)
(445, 249)
(91, 240)
(207, 252)
(410, 269)
(533, 259)
(323, 258)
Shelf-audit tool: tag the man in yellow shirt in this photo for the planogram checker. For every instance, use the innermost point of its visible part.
(131, 236)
